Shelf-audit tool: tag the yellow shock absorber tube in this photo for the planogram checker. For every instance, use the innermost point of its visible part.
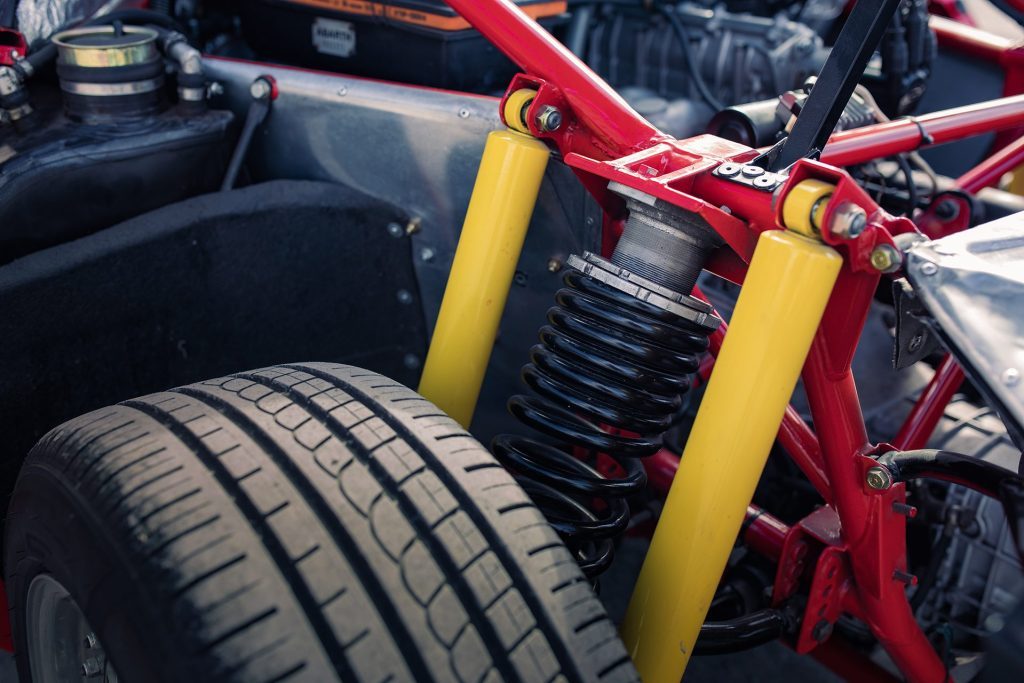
(778, 311)
(492, 237)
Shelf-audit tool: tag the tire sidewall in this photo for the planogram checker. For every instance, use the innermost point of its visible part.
(50, 530)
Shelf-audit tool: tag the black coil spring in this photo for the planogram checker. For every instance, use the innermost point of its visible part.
(606, 358)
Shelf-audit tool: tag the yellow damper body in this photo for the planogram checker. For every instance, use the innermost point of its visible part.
(504, 195)
(777, 314)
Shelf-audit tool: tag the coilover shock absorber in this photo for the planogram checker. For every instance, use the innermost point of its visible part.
(609, 374)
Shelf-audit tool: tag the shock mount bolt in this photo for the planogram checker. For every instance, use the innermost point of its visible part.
(886, 258)
(878, 477)
(849, 221)
(549, 119)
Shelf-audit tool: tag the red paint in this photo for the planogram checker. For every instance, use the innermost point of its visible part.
(861, 145)
(930, 406)
(12, 46)
(595, 105)
(839, 655)
(764, 533)
(989, 171)
(857, 536)
(1004, 52)
(951, 9)
(605, 141)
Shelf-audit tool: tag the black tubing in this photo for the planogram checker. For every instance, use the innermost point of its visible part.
(691, 63)
(984, 477)
(955, 468)
(741, 633)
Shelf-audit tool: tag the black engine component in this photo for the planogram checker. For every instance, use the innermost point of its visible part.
(107, 172)
(899, 77)
(740, 57)
(120, 150)
(622, 341)
(423, 42)
(760, 124)
(93, 89)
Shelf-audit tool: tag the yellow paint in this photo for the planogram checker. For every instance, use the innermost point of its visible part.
(778, 311)
(492, 237)
(1016, 184)
(804, 206)
(515, 105)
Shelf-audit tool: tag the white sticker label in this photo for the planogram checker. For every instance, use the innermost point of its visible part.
(334, 37)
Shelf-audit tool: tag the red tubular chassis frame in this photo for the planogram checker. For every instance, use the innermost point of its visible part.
(852, 552)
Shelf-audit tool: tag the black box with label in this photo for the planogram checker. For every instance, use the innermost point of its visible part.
(422, 42)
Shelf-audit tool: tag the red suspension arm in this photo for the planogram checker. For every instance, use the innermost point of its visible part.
(597, 106)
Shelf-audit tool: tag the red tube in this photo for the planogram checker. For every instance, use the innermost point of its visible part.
(849, 663)
(930, 407)
(861, 145)
(970, 40)
(598, 107)
(989, 171)
(764, 533)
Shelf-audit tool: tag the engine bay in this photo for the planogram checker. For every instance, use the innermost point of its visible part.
(142, 149)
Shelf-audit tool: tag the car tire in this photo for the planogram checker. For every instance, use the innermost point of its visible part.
(303, 522)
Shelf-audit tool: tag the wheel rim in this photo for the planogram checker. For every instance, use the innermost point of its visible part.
(62, 646)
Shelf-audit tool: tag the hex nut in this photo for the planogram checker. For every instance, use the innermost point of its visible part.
(549, 119)
(878, 477)
(848, 221)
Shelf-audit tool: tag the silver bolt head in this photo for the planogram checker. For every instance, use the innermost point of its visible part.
(214, 89)
(766, 180)
(752, 171)
(554, 265)
(549, 119)
(1011, 377)
(878, 477)
(463, 113)
(929, 268)
(849, 221)
(886, 258)
(395, 230)
(259, 89)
